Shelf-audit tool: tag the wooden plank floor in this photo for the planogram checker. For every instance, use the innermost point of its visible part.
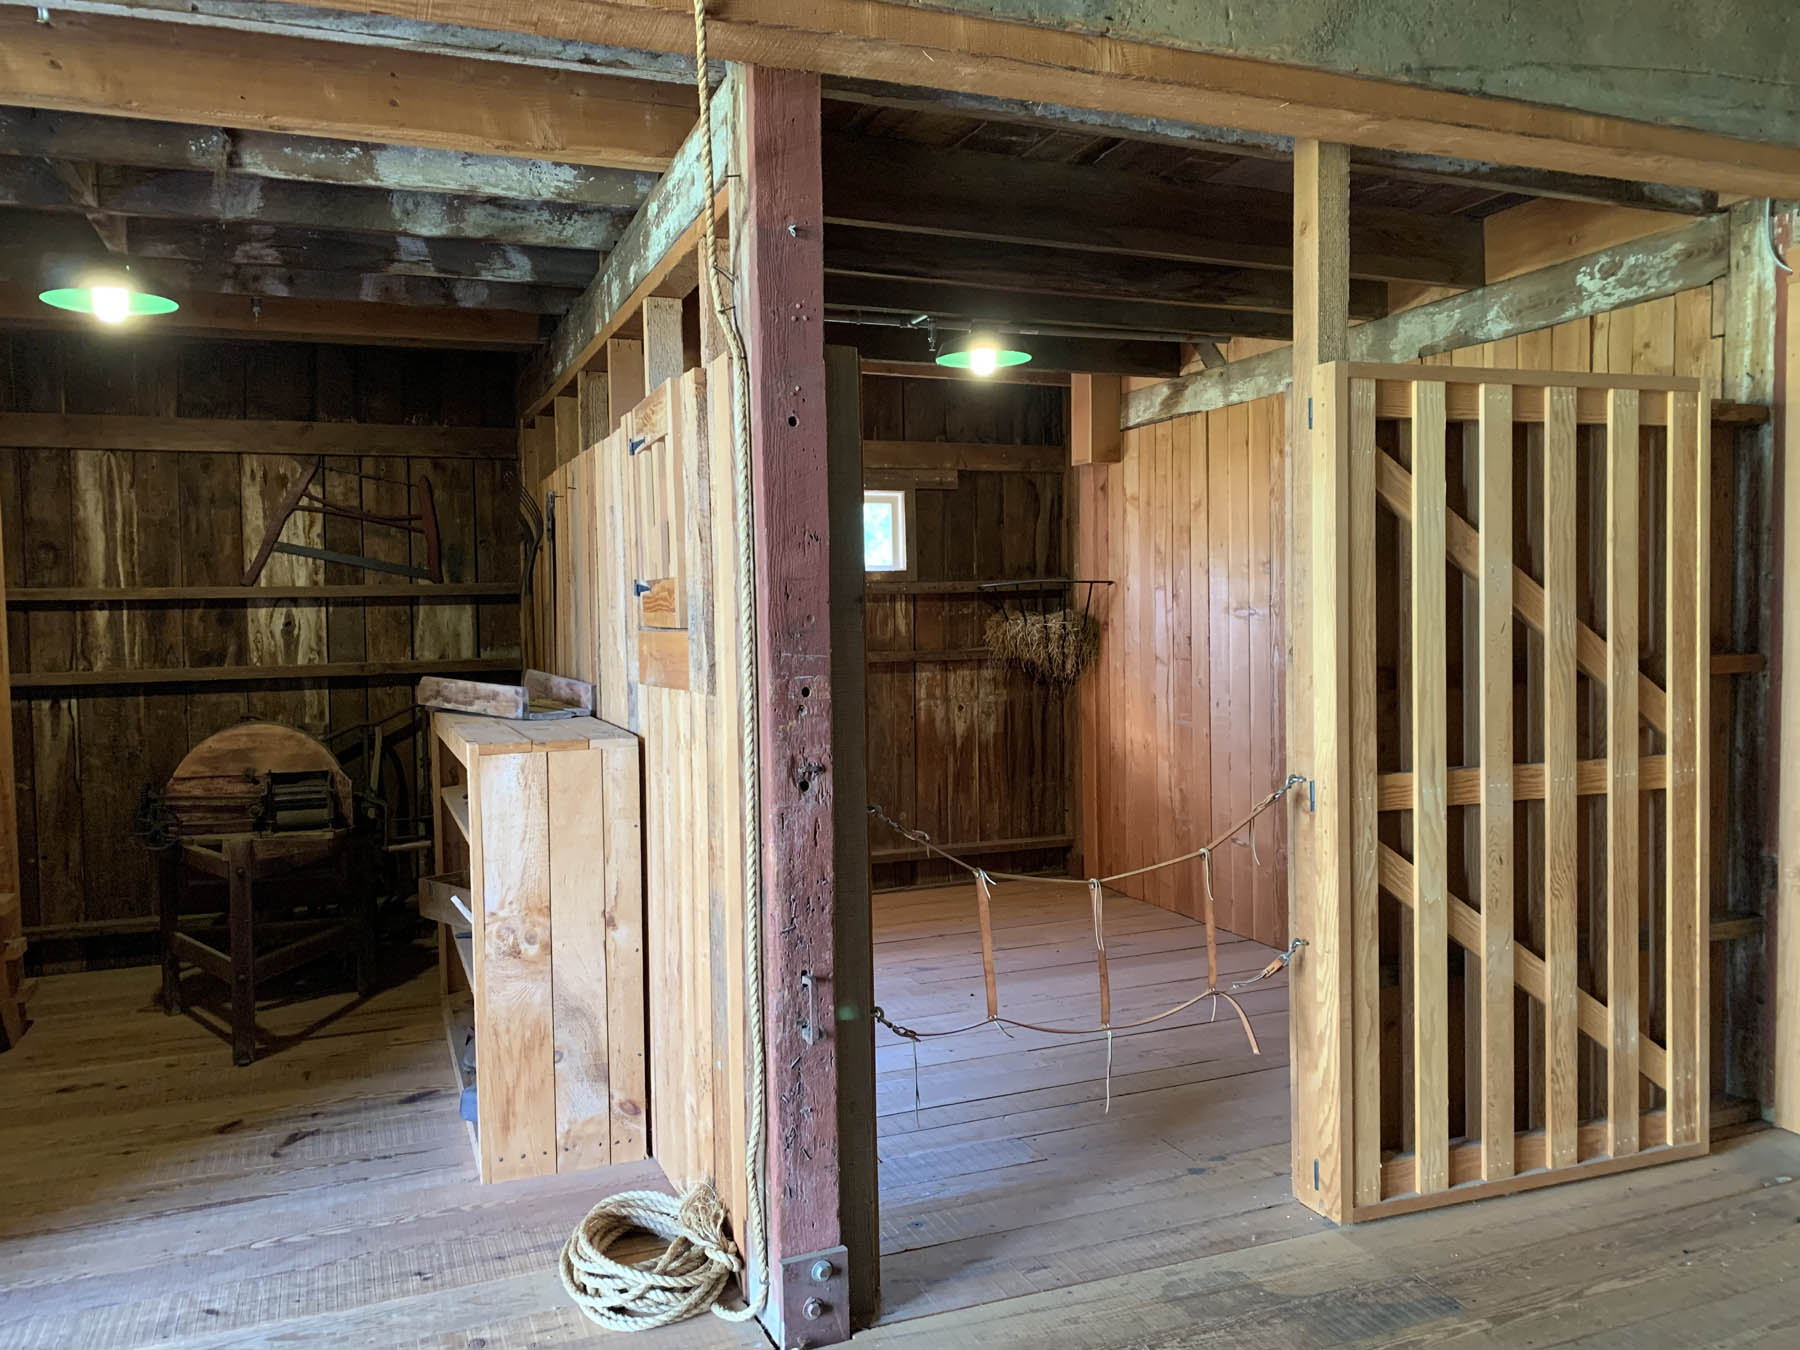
(323, 1196)
(1011, 1175)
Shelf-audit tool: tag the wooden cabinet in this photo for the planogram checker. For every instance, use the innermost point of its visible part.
(540, 896)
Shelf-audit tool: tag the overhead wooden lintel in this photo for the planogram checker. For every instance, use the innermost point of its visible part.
(218, 77)
(944, 49)
(1628, 274)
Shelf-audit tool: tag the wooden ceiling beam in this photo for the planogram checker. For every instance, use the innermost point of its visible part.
(1470, 173)
(219, 77)
(144, 144)
(288, 320)
(872, 180)
(241, 245)
(1021, 312)
(911, 256)
(177, 195)
(184, 280)
(1628, 274)
(925, 46)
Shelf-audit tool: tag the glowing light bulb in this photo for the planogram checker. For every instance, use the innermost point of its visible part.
(112, 304)
(983, 360)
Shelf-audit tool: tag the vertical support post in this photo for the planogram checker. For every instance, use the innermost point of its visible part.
(1317, 711)
(1784, 960)
(624, 378)
(1561, 842)
(1685, 561)
(1364, 967)
(1496, 506)
(781, 309)
(1430, 806)
(1622, 863)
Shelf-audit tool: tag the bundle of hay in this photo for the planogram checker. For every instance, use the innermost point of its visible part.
(1053, 647)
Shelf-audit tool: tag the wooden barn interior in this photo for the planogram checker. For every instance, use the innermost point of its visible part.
(1136, 708)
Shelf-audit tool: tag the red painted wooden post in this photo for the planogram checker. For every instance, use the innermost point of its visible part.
(782, 316)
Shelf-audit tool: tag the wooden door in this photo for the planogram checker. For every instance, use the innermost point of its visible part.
(1505, 982)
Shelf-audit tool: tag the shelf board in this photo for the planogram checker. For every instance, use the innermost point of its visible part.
(456, 802)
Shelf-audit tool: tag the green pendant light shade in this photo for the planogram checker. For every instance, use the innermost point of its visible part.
(109, 304)
(982, 354)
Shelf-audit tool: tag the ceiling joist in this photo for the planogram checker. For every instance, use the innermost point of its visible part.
(137, 143)
(1006, 199)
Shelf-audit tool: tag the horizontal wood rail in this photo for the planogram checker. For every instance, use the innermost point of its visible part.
(324, 670)
(1394, 791)
(1464, 925)
(965, 455)
(1028, 844)
(911, 655)
(259, 595)
(252, 436)
(1014, 586)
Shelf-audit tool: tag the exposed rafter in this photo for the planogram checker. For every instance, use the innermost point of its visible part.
(1022, 311)
(176, 195)
(870, 180)
(1644, 269)
(315, 159)
(905, 255)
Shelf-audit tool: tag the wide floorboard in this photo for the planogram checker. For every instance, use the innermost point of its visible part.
(325, 1196)
(1009, 1164)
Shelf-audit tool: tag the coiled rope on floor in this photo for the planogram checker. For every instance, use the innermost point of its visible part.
(692, 1272)
(687, 1278)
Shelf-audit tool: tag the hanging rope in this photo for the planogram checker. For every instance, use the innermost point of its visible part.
(984, 880)
(686, 1279)
(691, 1274)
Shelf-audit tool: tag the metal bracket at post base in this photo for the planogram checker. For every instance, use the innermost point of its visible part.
(815, 1299)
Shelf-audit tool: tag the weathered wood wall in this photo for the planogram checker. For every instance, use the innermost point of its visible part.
(123, 518)
(960, 745)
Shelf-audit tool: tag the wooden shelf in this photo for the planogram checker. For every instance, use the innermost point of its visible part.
(456, 802)
(918, 853)
(259, 595)
(325, 670)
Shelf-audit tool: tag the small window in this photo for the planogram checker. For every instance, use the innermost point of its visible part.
(884, 531)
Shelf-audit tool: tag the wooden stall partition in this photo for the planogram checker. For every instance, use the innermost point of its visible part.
(626, 509)
(1182, 712)
(1576, 506)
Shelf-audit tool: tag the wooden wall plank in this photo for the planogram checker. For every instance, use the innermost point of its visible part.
(517, 1101)
(1560, 837)
(1495, 494)
(578, 820)
(1622, 860)
(1430, 811)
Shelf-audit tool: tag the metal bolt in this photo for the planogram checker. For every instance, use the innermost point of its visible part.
(813, 1308)
(823, 1270)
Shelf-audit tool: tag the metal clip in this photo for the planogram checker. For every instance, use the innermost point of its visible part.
(809, 1025)
(641, 588)
(635, 444)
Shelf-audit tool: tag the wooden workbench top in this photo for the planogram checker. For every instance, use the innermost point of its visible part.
(465, 734)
